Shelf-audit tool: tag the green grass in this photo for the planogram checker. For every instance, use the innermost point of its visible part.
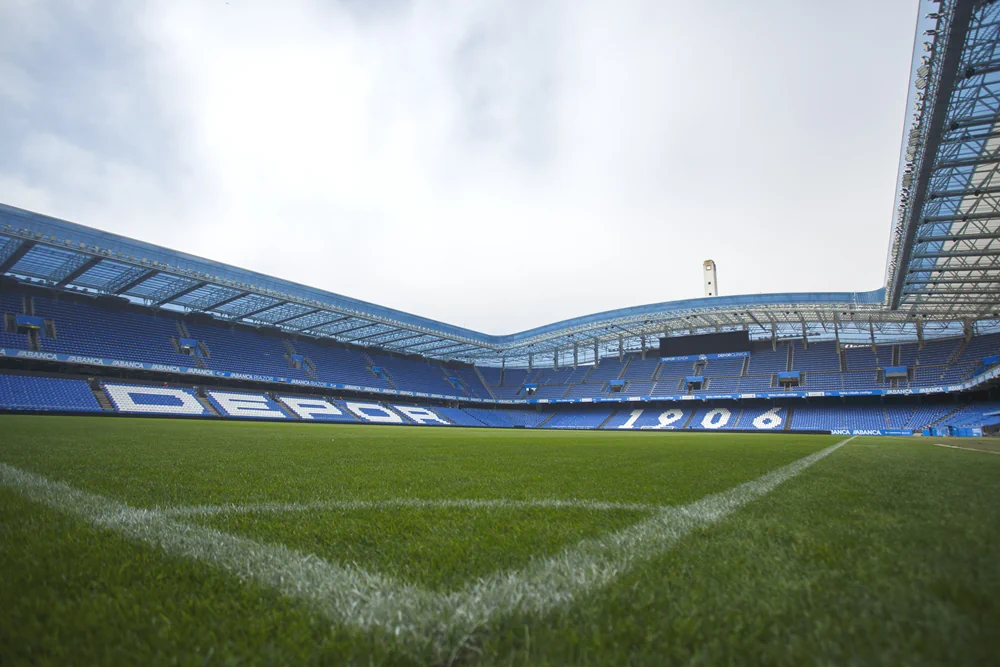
(885, 552)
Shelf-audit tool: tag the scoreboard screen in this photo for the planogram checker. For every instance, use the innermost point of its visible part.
(713, 343)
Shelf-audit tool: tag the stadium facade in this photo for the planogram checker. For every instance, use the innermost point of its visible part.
(119, 317)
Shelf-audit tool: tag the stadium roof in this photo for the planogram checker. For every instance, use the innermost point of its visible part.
(942, 273)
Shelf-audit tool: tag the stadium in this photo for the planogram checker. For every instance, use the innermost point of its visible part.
(200, 460)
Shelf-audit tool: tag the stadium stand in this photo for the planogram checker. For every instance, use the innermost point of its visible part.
(586, 391)
(589, 417)
(715, 417)
(630, 418)
(610, 368)
(640, 369)
(27, 392)
(156, 400)
(93, 330)
(817, 357)
(833, 417)
(762, 419)
(764, 361)
(44, 393)
(458, 417)
(100, 332)
(723, 368)
(245, 405)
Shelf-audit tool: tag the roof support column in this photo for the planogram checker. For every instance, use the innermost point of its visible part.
(774, 337)
(871, 332)
(642, 342)
(555, 359)
(967, 329)
(836, 331)
(576, 354)
(621, 347)
(531, 361)
(920, 333)
(597, 357)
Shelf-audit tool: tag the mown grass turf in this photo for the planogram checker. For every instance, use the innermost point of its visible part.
(885, 552)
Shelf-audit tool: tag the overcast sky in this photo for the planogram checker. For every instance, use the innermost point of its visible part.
(497, 165)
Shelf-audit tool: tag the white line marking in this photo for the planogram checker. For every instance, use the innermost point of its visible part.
(968, 449)
(351, 596)
(413, 503)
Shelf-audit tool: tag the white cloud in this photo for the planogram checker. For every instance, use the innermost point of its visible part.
(493, 165)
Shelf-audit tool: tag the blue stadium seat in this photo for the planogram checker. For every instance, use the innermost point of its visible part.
(27, 392)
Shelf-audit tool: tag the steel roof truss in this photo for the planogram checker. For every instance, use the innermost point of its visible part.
(73, 268)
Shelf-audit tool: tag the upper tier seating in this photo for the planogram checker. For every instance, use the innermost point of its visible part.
(675, 369)
(491, 374)
(508, 392)
(550, 391)
(724, 367)
(586, 391)
(981, 347)
(863, 358)
(105, 331)
(412, 375)
(28, 392)
(764, 361)
(723, 385)
(242, 351)
(12, 303)
(552, 376)
(610, 368)
(934, 352)
(638, 388)
(817, 357)
(340, 365)
(641, 369)
(112, 334)
(471, 383)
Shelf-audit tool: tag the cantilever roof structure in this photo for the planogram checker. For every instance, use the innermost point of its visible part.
(942, 272)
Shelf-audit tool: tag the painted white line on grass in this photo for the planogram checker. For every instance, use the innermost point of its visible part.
(351, 596)
(409, 503)
(968, 449)
(346, 594)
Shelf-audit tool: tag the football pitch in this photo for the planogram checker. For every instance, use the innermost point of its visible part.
(145, 541)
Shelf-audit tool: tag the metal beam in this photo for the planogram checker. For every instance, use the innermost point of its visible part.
(9, 258)
(447, 344)
(958, 237)
(367, 325)
(938, 110)
(159, 298)
(460, 347)
(954, 281)
(932, 254)
(374, 335)
(400, 340)
(72, 270)
(433, 339)
(257, 311)
(323, 324)
(204, 306)
(961, 217)
(965, 192)
(295, 317)
(126, 280)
